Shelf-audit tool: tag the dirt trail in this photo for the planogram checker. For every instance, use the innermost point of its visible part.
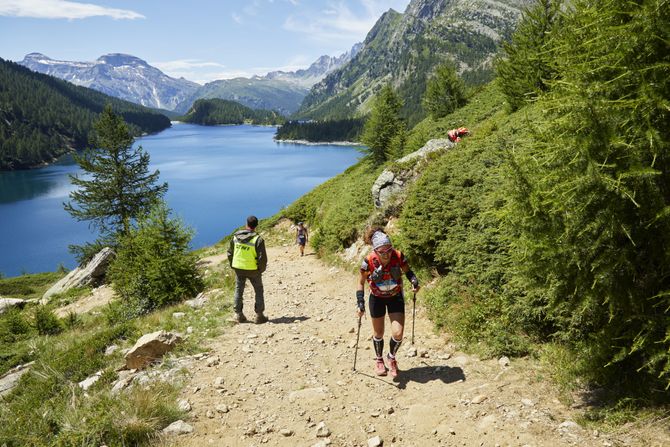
(283, 378)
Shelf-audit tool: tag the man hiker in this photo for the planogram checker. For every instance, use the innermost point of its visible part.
(248, 258)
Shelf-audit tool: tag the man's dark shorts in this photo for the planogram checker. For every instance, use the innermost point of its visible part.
(380, 305)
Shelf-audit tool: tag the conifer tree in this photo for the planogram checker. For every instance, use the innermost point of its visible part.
(445, 92)
(594, 194)
(383, 124)
(117, 186)
(526, 65)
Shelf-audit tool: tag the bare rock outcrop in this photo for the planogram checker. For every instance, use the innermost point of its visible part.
(91, 274)
(11, 378)
(389, 182)
(8, 303)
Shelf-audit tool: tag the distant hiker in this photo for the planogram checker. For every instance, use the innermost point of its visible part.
(383, 269)
(456, 134)
(301, 237)
(248, 258)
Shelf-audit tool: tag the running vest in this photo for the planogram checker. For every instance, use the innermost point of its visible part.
(386, 280)
(244, 254)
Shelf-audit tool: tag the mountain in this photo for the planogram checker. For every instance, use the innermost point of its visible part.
(43, 117)
(119, 75)
(277, 90)
(404, 49)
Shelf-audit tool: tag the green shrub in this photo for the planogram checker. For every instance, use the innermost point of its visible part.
(46, 322)
(154, 266)
(13, 325)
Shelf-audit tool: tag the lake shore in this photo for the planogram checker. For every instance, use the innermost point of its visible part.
(319, 143)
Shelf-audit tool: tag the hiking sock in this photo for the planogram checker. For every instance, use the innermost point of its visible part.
(394, 345)
(379, 346)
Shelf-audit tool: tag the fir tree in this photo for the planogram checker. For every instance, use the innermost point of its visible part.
(445, 92)
(117, 187)
(383, 124)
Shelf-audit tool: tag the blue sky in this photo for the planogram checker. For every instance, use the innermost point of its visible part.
(201, 40)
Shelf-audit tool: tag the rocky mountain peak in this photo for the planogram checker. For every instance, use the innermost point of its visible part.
(120, 59)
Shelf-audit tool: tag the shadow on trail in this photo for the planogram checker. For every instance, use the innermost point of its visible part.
(424, 374)
(287, 320)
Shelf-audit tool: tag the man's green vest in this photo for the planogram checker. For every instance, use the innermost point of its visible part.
(244, 254)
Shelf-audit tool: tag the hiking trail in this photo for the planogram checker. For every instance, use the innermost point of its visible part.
(289, 382)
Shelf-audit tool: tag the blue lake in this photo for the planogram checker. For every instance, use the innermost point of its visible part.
(216, 177)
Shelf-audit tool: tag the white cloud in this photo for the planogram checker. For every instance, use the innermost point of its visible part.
(61, 9)
(338, 22)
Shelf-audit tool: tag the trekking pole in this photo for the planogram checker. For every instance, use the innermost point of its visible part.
(413, 315)
(358, 334)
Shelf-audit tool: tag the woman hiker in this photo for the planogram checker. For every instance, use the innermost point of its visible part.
(301, 237)
(383, 269)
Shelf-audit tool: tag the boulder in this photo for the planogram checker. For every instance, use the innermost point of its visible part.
(390, 183)
(11, 378)
(8, 303)
(91, 274)
(150, 347)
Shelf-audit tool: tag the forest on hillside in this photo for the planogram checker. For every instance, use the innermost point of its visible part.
(316, 131)
(216, 111)
(42, 117)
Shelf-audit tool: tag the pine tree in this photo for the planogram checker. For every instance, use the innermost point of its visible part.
(383, 124)
(445, 92)
(117, 186)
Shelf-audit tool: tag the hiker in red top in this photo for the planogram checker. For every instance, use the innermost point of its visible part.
(456, 134)
(383, 269)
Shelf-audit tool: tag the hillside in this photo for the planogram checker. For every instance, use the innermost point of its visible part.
(255, 93)
(403, 49)
(42, 117)
(210, 112)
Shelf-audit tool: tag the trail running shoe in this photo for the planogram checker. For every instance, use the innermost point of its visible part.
(260, 318)
(239, 317)
(380, 368)
(393, 367)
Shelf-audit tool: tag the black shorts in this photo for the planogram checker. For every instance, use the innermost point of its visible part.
(379, 305)
(302, 240)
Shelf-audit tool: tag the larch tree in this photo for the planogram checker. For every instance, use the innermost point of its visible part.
(116, 187)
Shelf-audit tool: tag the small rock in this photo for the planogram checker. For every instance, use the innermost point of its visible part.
(218, 383)
(452, 431)
(375, 442)
(322, 431)
(286, 432)
(184, 405)
(503, 361)
(210, 414)
(178, 314)
(212, 361)
(411, 352)
(478, 399)
(111, 349)
(222, 408)
(178, 428)
(528, 402)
